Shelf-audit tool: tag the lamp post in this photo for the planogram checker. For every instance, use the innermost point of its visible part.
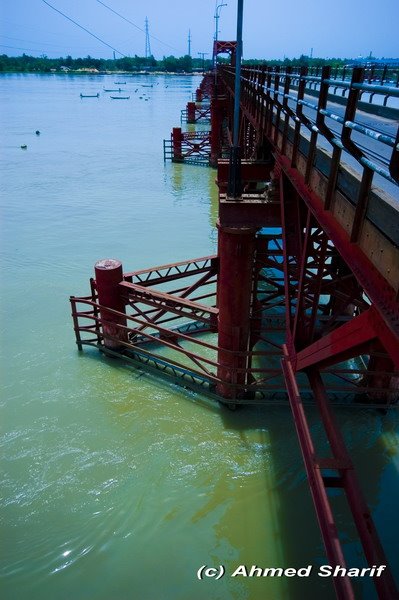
(217, 17)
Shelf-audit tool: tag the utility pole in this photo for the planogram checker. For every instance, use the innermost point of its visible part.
(147, 40)
(189, 42)
(202, 55)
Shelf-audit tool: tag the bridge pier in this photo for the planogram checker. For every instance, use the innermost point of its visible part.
(191, 112)
(177, 139)
(218, 107)
(109, 274)
(235, 296)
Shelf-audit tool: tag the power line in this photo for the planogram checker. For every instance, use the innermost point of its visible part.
(84, 28)
(30, 41)
(136, 26)
(18, 48)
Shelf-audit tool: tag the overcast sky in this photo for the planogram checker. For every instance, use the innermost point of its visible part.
(339, 28)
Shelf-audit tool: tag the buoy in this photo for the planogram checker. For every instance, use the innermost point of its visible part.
(37, 132)
(24, 146)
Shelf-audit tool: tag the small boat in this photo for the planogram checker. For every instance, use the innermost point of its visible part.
(89, 95)
(147, 85)
(120, 82)
(119, 90)
(120, 97)
(24, 146)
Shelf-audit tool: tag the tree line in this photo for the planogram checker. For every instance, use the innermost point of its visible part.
(183, 64)
(43, 64)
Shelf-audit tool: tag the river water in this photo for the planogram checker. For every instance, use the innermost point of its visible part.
(117, 486)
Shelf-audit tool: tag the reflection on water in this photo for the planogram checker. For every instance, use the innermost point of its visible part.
(116, 485)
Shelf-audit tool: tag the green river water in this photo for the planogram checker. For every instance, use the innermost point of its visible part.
(114, 485)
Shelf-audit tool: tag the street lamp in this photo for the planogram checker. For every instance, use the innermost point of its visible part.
(217, 17)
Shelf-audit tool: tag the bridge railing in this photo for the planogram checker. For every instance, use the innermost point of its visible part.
(335, 154)
(340, 77)
(268, 93)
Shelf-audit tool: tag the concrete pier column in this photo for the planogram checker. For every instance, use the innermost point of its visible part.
(234, 300)
(190, 112)
(108, 275)
(177, 138)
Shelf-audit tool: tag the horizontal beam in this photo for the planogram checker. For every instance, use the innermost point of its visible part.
(172, 271)
(252, 210)
(168, 302)
(349, 340)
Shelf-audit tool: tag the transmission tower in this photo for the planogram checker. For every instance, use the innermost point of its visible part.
(147, 40)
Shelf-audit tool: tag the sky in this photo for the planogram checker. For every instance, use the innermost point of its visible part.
(339, 28)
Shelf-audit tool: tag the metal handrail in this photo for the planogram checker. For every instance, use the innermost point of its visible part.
(254, 81)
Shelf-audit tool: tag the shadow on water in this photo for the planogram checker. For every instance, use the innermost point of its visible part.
(268, 519)
(372, 441)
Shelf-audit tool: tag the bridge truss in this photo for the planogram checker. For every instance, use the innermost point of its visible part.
(301, 301)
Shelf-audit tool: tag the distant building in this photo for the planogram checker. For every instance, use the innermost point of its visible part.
(374, 62)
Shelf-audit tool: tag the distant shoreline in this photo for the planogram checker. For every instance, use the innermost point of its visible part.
(89, 72)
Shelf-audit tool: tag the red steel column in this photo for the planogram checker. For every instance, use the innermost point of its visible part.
(234, 297)
(198, 95)
(177, 138)
(216, 130)
(190, 112)
(109, 274)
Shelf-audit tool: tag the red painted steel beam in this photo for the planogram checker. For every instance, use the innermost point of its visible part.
(343, 586)
(253, 210)
(234, 292)
(251, 171)
(218, 111)
(163, 300)
(368, 534)
(381, 294)
(292, 252)
(186, 292)
(349, 340)
(172, 271)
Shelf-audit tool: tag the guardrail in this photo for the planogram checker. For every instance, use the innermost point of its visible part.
(268, 90)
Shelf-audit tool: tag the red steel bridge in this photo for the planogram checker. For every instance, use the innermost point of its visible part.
(300, 304)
